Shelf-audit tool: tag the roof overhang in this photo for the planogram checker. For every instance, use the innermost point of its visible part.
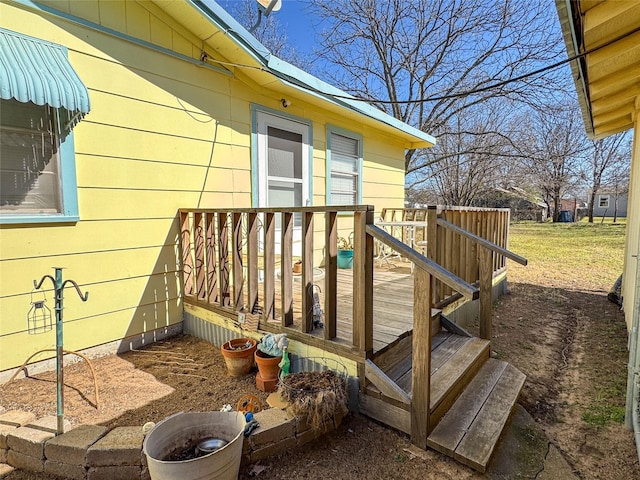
(607, 76)
(221, 33)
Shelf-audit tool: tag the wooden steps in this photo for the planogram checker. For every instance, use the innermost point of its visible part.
(470, 430)
(471, 395)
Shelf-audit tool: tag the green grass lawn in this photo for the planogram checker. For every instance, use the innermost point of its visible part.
(577, 255)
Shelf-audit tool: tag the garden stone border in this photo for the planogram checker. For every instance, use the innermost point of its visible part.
(93, 452)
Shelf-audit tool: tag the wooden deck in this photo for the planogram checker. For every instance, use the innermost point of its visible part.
(392, 305)
(438, 386)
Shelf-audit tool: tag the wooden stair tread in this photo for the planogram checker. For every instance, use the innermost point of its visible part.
(470, 430)
(448, 375)
(444, 347)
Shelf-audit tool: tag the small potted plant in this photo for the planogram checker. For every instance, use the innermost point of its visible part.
(345, 252)
(268, 356)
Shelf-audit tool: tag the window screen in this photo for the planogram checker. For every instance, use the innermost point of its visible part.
(345, 168)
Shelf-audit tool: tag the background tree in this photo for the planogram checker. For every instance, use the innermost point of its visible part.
(397, 53)
(270, 32)
(470, 158)
(609, 167)
(552, 146)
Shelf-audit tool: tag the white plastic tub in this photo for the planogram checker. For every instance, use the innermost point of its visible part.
(184, 429)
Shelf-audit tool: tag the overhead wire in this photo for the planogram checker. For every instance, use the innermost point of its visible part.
(447, 96)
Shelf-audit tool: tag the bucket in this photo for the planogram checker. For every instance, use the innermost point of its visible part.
(187, 430)
(345, 259)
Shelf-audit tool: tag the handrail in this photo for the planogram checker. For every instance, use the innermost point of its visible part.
(423, 262)
(481, 241)
(320, 209)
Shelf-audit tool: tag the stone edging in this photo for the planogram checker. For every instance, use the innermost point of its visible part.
(93, 452)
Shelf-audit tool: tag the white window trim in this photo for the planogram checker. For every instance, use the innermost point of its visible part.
(601, 198)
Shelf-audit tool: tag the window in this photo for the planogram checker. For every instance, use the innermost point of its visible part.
(603, 201)
(40, 106)
(344, 160)
(37, 167)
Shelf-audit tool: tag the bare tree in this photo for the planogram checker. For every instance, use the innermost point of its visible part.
(270, 32)
(610, 164)
(397, 53)
(553, 147)
(469, 161)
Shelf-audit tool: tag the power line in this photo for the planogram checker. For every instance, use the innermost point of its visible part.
(435, 98)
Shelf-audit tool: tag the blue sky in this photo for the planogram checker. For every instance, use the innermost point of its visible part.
(297, 23)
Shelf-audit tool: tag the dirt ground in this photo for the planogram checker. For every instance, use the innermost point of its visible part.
(570, 341)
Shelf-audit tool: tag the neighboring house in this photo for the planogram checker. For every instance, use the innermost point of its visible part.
(607, 76)
(610, 204)
(117, 114)
(517, 201)
(572, 210)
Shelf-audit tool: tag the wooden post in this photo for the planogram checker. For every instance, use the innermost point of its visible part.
(252, 261)
(238, 273)
(331, 275)
(307, 272)
(212, 261)
(198, 247)
(269, 310)
(485, 262)
(457, 258)
(432, 246)
(223, 255)
(286, 266)
(362, 282)
(187, 261)
(421, 358)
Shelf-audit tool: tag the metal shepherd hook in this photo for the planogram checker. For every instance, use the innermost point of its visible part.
(58, 286)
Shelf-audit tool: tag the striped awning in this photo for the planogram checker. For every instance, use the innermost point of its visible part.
(32, 70)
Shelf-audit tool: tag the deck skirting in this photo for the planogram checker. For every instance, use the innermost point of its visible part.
(303, 357)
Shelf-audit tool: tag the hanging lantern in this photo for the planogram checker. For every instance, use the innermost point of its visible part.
(39, 318)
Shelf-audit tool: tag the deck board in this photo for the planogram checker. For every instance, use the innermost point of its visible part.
(447, 377)
(392, 305)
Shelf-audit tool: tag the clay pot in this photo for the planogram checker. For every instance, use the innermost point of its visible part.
(267, 365)
(239, 360)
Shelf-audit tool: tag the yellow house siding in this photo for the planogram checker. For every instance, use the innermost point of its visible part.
(114, 16)
(162, 134)
(632, 248)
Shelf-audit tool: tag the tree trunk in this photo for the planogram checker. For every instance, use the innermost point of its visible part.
(591, 201)
(556, 207)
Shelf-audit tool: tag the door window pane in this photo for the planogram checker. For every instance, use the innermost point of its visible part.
(285, 153)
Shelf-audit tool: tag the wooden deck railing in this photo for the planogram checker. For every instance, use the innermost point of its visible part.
(456, 253)
(229, 259)
(424, 272)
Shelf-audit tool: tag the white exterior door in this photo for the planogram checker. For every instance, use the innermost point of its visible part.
(283, 168)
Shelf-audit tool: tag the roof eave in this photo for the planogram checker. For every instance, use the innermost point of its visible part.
(578, 67)
(302, 81)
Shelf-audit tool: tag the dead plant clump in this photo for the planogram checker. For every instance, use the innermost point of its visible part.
(317, 395)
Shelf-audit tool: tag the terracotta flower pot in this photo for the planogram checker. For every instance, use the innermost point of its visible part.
(267, 365)
(239, 360)
(267, 376)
